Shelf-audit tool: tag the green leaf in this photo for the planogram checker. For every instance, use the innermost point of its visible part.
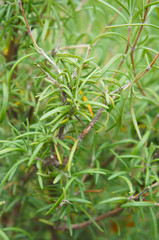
(18, 230)
(11, 149)
(3, 235)
(56, 110)
(117, 174)
(116, 10)
(15, 65)
(11, 170)
(57, 178)
(154, 223)
(92, 220)
(135, 121)
(52, 209)
(4, 102)
(45, 29)
(114, 200)
(35, 153)
(74, 199)
(129, 184)
(90, 171)
(72, 154)
(94, 103)
(141, 143)
(138, 204)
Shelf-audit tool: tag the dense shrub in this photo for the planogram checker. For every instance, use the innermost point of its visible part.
(79, 119)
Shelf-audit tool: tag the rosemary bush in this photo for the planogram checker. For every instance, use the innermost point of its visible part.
(79, 119)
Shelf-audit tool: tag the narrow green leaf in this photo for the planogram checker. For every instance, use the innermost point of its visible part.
(52, 209)
(45, 29)
(56, 110)
(74, 199)
(107, 34)
(129, 184)
(4, 102)
(94, 103)
(138, 204)
(154, 223)
(72, 154)
(141, 143)
(90, 171)
(114, 200)
(92, 220)
(116, 10)
(11, 170)
(16, 229)
(35, 153)
(135, 121)
(112, 60)
(11, 149)
(57, 178)
(117, 174)
(15, 65)
(3, 235)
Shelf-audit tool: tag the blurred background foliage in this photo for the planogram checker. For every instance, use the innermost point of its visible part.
(79, 134)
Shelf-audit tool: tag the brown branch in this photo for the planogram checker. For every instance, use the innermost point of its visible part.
(90, 125)
(112, 213)
(123, 88)
(147, 69)
(94, 120)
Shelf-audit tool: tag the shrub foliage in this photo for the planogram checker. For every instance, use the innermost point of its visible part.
(79, 119)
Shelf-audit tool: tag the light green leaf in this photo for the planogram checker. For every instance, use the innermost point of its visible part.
(138, 204)
(11, 149)
(35, 153)
(129, 184)
(114, 200)
(141, 143)
(57, 178)
(4, 102)
(3, 235)
(45, 29)
(74, 199)
(56, 110)
(116, 10)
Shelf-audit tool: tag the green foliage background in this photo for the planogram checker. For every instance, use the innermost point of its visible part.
(79, 134)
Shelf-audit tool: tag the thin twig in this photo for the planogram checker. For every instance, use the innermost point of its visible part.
(40, 50)
(49, 77)
(147, 69)
(142, 192)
